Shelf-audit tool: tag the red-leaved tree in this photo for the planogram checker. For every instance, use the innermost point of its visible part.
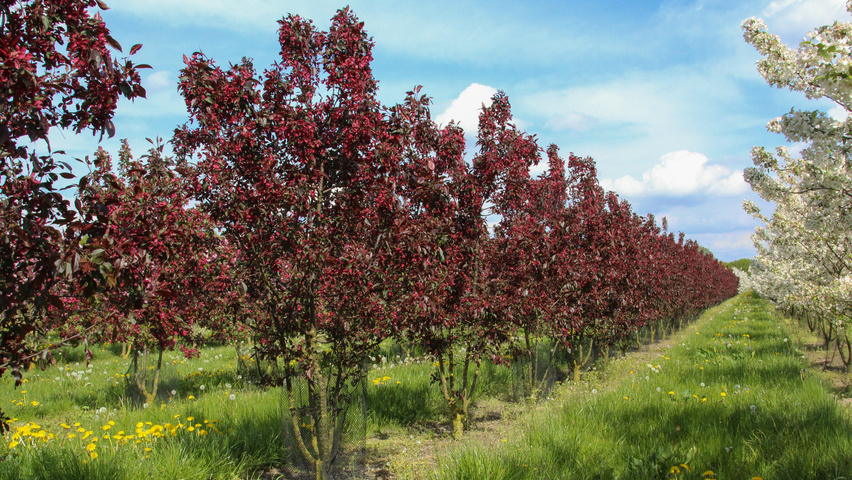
(300, 168)
(166, 266)
(57, 71)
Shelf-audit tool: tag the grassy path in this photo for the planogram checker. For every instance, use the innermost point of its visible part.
(730, 398)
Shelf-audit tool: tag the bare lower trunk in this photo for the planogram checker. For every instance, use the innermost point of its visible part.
(458, 399)
(140, 375)
(581, 358)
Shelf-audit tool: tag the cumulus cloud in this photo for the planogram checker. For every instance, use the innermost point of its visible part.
(838, 113)
(681, 173)
(792, 19)
(465, 109)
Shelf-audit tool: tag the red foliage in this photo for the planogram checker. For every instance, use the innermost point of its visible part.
(57, 71)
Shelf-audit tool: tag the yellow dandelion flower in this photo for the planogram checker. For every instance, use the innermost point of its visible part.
(91, 447)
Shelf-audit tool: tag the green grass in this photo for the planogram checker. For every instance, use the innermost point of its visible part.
(729, 397)
(238, 429)
(775, 421)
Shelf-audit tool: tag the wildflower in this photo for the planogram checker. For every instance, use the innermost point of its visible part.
(190, 397)
(594, 391)
(34, 403)
(753, 408)
(91, 447)
(202, 387)
(227, 385)
(232, 397)
(173, 392)
(724, 394)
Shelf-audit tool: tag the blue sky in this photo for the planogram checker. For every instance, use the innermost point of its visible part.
(664, 96)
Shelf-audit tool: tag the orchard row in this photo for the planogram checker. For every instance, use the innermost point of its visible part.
(303, 215)
(804, 260)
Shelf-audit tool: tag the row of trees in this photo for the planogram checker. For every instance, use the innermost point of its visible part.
(804, 260)
(301, 213)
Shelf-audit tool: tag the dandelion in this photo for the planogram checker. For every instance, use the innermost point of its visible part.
(594, 391)
(173, 392)
(232, 397)
(753, 409)
(145, 405)
(202, 387)
(227, 385)
(724, 394)
(191, 397)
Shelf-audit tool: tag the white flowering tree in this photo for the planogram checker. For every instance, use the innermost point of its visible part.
(804, 259)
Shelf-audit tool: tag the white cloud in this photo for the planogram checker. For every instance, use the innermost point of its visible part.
(160, 81)
(465, 109)
(838, 113)
(729, 241)
(681, 173)
(792, 19)
(571, 121)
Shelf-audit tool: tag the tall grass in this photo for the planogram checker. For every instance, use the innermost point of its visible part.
(730, 399)
(79, 420)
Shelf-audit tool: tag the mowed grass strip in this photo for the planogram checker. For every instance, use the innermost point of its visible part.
(731, 398)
